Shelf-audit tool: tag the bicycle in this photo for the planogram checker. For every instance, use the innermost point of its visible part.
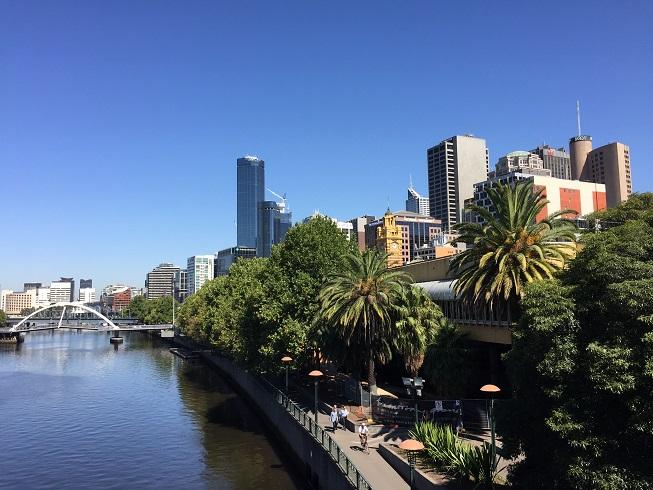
(364, 446)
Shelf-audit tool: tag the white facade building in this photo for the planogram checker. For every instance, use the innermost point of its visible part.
(60, 291)
(42, 297)
(199, 270)
(87, 295)
(3, 298)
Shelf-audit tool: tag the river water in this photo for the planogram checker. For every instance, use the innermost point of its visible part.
(75, 412)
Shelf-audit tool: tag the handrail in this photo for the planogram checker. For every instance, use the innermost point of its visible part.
(352, 473)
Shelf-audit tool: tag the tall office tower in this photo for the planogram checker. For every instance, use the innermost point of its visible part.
(72, 286)
(610, 165)
(160, 281)
(454, 166)
(181, 285)
(31, 285)
(42, 297)
(579, 148)
(61, 291)
(86, 295)
(274, 221)
(225, 258)
(199, 269)
(250, 193)
(521, 161)
(358, 229)
(417, 203)
(85, 283)
(555, 159)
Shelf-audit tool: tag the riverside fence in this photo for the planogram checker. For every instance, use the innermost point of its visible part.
(324, 438)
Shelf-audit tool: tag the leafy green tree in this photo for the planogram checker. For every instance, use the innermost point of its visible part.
(359, 301)
(509, 249)
(159, 310)
(639, 206)
(582, 370)
(138, 308)
(447, 365)
(417, 321)
(3, 318)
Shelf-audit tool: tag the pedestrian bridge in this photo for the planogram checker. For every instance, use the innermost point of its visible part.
(26, 325)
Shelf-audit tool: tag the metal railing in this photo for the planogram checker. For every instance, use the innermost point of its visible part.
(323, 437)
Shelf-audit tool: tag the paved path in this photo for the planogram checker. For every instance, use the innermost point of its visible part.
(378, 473)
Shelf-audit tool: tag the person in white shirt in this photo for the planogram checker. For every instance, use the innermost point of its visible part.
(362, 434)
(334, 417)
(343, 414)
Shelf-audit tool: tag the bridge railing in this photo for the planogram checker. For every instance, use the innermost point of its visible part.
(323, 437)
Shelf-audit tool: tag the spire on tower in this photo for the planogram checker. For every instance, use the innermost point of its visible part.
(578, 115)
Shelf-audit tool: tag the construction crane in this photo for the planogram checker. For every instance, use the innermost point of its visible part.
(282, 204)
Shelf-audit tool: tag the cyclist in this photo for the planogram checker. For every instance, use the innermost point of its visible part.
(362, 434)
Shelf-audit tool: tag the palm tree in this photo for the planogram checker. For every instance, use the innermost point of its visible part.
(418, 321)
(360, 300)
(509, 249)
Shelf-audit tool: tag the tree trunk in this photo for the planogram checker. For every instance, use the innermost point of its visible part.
(371, 376)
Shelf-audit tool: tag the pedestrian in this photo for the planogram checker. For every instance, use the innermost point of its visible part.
(344, 413)
(334, 417)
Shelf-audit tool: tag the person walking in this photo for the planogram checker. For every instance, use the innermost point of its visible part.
(344, 413)
(334, 417)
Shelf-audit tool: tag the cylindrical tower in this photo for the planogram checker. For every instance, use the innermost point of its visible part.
(579, 147)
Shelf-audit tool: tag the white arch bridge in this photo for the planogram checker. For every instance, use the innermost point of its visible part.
(26, 326)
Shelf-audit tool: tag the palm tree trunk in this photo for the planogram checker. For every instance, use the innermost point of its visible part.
(371, 376)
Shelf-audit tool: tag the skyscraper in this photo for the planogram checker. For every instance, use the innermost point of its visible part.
(85, 283)
(181, 285)
(555, 159)
(250, 193)
(417, 203)
(274, 221)
(72, 287)
(160, 281)
(199, 269)
(454, 166)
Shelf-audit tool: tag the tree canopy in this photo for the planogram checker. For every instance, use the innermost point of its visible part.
(582, 369)
(509, 248)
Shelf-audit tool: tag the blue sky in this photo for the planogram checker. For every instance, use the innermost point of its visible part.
(120, 122)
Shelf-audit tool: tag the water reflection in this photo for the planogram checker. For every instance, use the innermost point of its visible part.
(86, 415)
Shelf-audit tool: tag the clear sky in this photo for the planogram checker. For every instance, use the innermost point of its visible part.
(121, 121)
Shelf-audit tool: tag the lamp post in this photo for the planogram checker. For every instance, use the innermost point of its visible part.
(414, 387)
(411, 446)
(316, 375)
(286, 360)
(492, 389)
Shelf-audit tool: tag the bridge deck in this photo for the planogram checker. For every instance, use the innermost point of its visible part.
(122, 328)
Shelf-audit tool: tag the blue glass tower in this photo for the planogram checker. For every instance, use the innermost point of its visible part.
(250, 193)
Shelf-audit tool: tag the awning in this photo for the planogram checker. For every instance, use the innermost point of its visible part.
(438, 290)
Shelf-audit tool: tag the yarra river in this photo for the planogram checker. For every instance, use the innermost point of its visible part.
(77, 413)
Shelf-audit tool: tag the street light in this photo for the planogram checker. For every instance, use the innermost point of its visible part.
(316, 375)
(411, 446)
(414, 387)
(286, 360)
(492, 389)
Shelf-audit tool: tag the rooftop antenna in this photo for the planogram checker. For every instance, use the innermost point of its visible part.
(388, 203)
(578, 115)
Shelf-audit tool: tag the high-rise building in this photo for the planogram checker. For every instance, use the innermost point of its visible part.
(199, 269)
(60, 291)
(72, 286)
(454, 166)
(555, 159)
(160, 281)
(181, 285)
(3, 298)
(608, 164)
(415, 231)
(417, 203)
(31, 285)
(42, 297)
(521, 161)
(85, 283)
(250, 187)
(358, 229)
(87, 295)
(225, 258)
(274, 221)
(16, 303)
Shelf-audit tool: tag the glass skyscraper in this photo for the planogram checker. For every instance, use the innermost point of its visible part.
(274, 223)
(250, 194)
